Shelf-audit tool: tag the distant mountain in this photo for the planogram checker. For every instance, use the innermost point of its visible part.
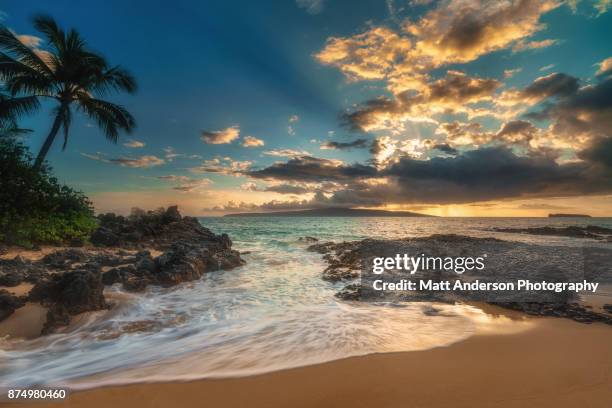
(569, 216)
(332, 212)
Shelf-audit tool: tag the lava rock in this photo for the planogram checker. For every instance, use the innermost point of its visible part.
(350, 292)
(57, 316)
(104, 237)
(77, 291)
(172, 214)
(112, 276)
(11, 278)
(336, 274)
(8, 304)
(136, 283)
(65, 258)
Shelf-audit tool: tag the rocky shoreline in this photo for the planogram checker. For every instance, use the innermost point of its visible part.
(346, 262)
(589, 232)
(155, 248)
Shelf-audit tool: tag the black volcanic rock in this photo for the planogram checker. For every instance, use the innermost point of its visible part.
(350, 262)
(8, 304)
(71, 281)
(590, 231)
(76, 291)
(154, 229)
(186, 261)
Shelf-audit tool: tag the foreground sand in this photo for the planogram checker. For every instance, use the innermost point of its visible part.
(558, 363)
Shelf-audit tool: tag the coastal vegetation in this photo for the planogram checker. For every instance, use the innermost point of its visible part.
(35, 208)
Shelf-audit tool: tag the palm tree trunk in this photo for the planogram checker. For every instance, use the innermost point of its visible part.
(49, 140)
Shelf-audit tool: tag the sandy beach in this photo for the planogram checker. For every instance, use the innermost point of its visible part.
(557, 363)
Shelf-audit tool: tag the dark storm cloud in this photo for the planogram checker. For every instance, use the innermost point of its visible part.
(516, 131)
(599, 152)
(485, 174)
(556, 84)
(445, 148)
(587, 112)
(287, 189)
(516, 127)
(356, 144)
(308, 168)
(477, 175)
(458, 87)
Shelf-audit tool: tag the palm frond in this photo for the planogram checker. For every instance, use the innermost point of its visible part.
(116, 79)
(54, 34)
(13, 108)
(110, 117)
(23, 53)
(11, 130)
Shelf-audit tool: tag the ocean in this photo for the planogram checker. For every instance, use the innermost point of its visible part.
(273, 313)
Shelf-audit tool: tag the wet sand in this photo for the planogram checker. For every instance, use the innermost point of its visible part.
(557, 363)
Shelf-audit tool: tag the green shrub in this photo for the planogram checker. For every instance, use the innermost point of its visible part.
(34, 207)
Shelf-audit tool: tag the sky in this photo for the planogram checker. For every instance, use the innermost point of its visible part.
(451, 108)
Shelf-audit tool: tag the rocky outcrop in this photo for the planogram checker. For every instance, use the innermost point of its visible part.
(71, 281)
(75, 291)
(589, 231)
(9, 303)
(507, 261)
(18, 270)
(154, 229)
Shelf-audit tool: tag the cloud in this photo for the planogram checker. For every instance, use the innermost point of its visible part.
(509, 73)
(356, 144)
(294, 118)
(286, 153)
(493, 173)
(454, 93)
(538, 206)
(134, 162)
(517, 131)
(251, 141)
(172, 177)
(311, 6)
(138, 162)
(578, 114)
(134, 144)
(30, 41)
(605, 67)
(482, 174)
(556, 84)
(445, 148)
(287, 189)
(192, 185)
(249, 186)
(223, 136)
(170, 154)
(453, 32)
(223, 165)
(281, 188)
(290, 130)
(186, 184)
(599, 152)
(547, 67)
(312, 169)
(533, 45)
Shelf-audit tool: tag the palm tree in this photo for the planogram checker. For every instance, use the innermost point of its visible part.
(69, 73)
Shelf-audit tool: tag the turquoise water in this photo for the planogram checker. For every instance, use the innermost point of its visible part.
(273, 313)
